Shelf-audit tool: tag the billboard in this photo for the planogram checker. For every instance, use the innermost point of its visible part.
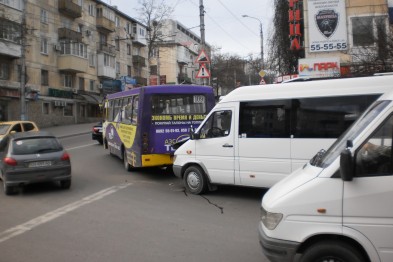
(327, 25)
(319, 67)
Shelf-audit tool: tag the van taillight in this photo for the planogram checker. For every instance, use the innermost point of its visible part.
(10, 161)
(65, 156)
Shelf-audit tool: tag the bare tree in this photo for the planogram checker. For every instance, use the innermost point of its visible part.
(152, 13)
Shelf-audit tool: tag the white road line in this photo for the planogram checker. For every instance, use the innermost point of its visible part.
(29, 225)
(77, 147)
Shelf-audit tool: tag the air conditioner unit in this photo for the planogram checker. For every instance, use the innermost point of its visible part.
(88, 32)
(75, 91)
(99, 86)
(57, 47)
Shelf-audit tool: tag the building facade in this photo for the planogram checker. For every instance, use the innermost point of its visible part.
(341, 38)
(73, 52)
(174, 59)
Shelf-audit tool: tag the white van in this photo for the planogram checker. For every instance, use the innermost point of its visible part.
(338, 207)
(257, 135)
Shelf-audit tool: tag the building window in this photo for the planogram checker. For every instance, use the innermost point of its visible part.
(76, 49)
(44, 16)
(68, 110)
(45, 108)
(129, 70)
(91, 85)
(81, 83)
(44, 45)
(117, 44)
(128, 49)
(109, 61)
(82, 110)
(117, 68)
(80, 3)
(92, 59)
(9, 31)
(17, 4)
(4, 71)
(117, 21)
(368, 30)
(92, 10)
(128, 28)
(44, 77)
(68, 81)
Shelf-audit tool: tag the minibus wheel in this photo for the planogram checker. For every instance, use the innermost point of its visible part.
(332, 251)
(195, 180)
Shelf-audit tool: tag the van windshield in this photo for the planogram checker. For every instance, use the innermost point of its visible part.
(324, 159)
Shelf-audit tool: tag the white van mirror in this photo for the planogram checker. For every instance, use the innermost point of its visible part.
(346, 165)
(193, 135)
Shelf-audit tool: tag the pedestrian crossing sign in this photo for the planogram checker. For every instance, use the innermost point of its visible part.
(203, 72)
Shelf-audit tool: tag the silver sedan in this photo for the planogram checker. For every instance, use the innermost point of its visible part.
(33, 157)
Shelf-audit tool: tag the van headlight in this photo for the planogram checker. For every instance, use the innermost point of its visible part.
(270, 220)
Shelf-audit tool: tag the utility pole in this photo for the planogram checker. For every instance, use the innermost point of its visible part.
(202, 22)
(23, 65)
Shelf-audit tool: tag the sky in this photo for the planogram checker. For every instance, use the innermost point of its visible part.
(225, 27)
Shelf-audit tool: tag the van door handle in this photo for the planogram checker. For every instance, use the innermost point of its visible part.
(227, 145)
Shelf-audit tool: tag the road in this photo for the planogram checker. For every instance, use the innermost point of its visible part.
(113, 215)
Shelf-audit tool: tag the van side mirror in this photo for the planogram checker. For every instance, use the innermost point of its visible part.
(346, 165)
(193, 135)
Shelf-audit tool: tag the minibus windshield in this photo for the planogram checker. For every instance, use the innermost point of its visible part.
(324, 159)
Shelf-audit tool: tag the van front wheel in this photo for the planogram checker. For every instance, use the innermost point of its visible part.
(332, 251)
(195, 180)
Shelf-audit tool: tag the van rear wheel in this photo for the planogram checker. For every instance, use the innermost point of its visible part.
(127, 166)
(332, 251)
(195, 180)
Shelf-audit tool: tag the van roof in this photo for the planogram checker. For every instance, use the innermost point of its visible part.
(343, 86)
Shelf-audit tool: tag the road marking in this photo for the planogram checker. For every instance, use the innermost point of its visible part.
(35, 222)
(77, 147)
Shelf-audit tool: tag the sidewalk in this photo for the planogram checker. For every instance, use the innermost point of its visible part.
(70, 130)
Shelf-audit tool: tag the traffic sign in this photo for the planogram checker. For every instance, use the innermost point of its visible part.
(203, 72)
(202, 58)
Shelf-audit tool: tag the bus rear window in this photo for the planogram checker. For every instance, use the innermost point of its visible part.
(178, 104)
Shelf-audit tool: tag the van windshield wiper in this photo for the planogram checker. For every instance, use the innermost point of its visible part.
(316, 160)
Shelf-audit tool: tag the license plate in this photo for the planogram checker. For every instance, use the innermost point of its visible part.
(40, 164)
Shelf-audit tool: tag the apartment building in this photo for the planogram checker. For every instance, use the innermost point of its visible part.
(175, 56)
(74, 52)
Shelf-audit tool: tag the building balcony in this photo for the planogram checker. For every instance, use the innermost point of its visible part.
(106, 66)
(140, 80)
(105, 25)
(106, 48)
(10, 49)
(183, 78)
(71, 63)
(70, 9)
(138, 60)
(66, 33)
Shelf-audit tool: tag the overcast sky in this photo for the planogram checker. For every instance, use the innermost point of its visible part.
(224, 25)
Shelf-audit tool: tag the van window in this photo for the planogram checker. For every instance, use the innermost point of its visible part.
(265, 119)
(374, 157)
(218, 125)
(327, 117)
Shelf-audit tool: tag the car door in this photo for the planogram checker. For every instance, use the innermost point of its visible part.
(215, 147)
(368, 198)
(3, 147)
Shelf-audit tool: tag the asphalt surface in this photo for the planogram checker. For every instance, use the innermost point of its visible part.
(70, 130)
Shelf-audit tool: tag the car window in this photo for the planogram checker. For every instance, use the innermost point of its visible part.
(28, 126)
(16, 128)
(3, 143)
(35, 146)
(4, 129)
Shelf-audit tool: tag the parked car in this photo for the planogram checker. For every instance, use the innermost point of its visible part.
(96, 133)
(33, 157)
(16, 126)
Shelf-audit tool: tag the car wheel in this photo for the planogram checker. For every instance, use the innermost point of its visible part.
(65, 184)
(195, 180)
(100, 141)
(127, 166)
(332, 251)
(8, 190)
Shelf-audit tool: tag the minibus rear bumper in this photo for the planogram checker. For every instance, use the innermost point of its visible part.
(177, 170)
(277, 250)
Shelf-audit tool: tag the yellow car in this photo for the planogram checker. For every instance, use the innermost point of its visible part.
(16, 126)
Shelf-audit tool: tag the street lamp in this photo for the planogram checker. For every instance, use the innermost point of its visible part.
(261, 33)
